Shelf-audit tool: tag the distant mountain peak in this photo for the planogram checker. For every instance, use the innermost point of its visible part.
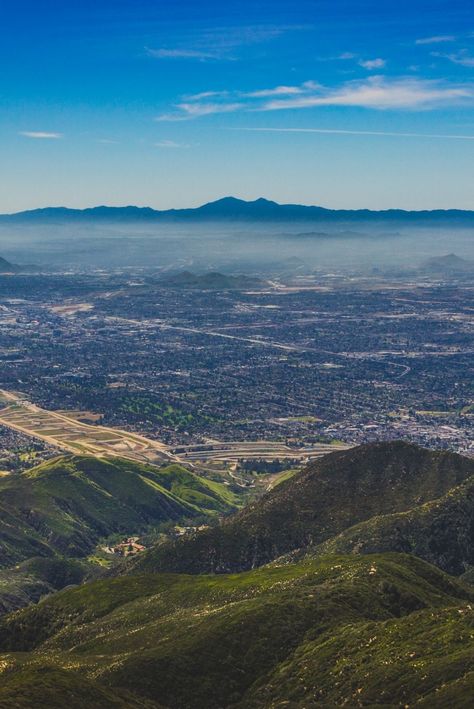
(231, 208)
(449, 263)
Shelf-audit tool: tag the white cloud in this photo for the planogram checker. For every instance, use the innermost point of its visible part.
(380, 93)
(371, 64)
(189, 110)
(206, 109)
(222, 43)
(170, 144)
(284, 90)
(40, 135)
(277, 91)
(437, 39)
(344, 56)
(375, 92)
(206, 95)
(463, 58)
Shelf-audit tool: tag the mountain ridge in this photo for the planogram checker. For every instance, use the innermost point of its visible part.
(307, 629)
(299, 635)
(331, 495)
(235, 209)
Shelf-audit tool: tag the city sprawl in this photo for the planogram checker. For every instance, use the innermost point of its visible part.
(322, 359)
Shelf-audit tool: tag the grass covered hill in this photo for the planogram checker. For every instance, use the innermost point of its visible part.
(330, 496)
(386, 630)
(65, 506)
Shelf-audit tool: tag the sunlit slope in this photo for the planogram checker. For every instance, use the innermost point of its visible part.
(379, 629)
(331, 495)
(67, 505)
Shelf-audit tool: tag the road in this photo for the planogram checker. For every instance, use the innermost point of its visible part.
(69, 434)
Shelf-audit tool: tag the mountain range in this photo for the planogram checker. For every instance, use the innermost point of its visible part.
(7, 267)
(233, 209)
(338, 595)
(377, 497)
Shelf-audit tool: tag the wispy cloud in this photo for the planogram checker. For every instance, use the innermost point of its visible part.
(222, 43)
(339, 131)
(206, 95)
(437, 39)
(375, 92)
(187, 110)
(40, 135)
(372, 64)
(206, 109)
(463, 57)
(380, 93)
(163, 53)
(345, 56)
(170, 144)
(283, 90)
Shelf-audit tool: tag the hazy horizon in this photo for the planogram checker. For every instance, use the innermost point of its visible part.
(191, 205)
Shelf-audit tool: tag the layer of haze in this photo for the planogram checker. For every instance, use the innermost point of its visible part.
(285, 249)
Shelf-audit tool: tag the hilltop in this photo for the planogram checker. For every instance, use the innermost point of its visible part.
(451, 263)
(233, 209)
(210, 281)
(439, 531)
(330, 496)
(385, 629)
(7, 267)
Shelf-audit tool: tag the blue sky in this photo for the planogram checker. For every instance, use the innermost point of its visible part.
(341, 103)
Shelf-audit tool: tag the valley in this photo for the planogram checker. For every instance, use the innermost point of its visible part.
(302, 362)
(66, 431)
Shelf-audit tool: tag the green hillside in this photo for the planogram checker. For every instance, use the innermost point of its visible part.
(55, 514)
(388, 630)
(331, 495)
(66, 505)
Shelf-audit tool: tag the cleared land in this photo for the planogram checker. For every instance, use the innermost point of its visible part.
(75, 437)
(65, 431)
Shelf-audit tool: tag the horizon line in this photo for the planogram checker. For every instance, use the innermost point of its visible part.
(237, 199)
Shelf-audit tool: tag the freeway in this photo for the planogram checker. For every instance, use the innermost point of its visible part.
(67, 433)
